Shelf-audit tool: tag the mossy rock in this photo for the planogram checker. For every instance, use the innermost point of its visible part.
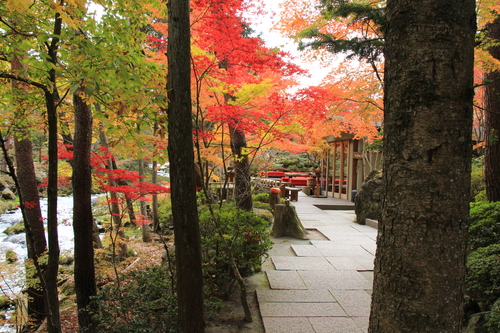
(5, 302)
(68, 287)
(66, 260)
(265, 214)
(3, 184)
(7, 194)
(11, 256)
(369, 197)
(15, 229)
(6, 205)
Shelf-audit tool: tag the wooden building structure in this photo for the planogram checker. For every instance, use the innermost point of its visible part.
(346, 165)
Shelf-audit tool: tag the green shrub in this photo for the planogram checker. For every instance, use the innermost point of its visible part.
(261, 197)
(493, 318)
(477, 179)
(145, 304)
(485, 224)
(165, 211)
(483, 275)
(261, 201)
(248, 237)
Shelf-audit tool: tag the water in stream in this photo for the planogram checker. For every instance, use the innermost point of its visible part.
(12, 282)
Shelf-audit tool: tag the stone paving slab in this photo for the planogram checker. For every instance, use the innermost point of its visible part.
(356, 303)
(311, 223)
(367, 263)
(362, 322)
(287, 325)
(282, 246)
(285, 280)
(365, 229)
(334, 280)
(334, 325)
(298, 296)
(345, 238)
(330, 249)
(301, 309)
(320, 286)
(368, 275)
(306, 251)
(301, 263)
(370, 248)
(345, 264)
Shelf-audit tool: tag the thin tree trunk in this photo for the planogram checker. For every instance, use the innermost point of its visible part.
(242, 185)
(54, 325)
(154, 180)
(182, 172)
(51, 101)
(421, 247)
(27, 186)
(83, 221)
(117, 233)
(492, 119)
(146, 234)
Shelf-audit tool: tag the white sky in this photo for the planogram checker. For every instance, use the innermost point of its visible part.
(263, 26)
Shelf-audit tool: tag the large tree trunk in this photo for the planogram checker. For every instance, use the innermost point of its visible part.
(83, 221)
(33, 222)
(492, 119)
(421, 247)
(242, 186)
(26, 182)
(182, 172)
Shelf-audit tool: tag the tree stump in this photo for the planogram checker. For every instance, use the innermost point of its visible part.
(287, 223)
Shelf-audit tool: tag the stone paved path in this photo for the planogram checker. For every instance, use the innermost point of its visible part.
(323, 284)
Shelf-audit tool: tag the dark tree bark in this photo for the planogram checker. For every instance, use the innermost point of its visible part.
(492, 119)
(146, 232)
(154, 180)
(51, 100)
(83, 221)
(242, 186)
(182, 172)
(33, 222)
(26, 182)
(421, 247)
(54, 323)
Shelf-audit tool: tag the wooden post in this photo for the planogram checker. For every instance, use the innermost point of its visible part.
(274, 198)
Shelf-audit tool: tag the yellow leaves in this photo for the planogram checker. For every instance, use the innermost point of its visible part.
(21, 6)
(249, 91)
(67, 9)
(487, 11)
(296, 15)
(486, 62)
